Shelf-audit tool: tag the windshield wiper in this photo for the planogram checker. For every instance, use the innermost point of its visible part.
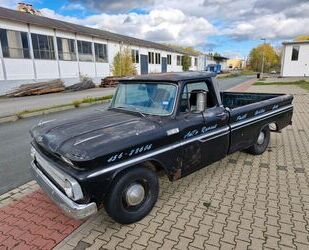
(134, 109)
(137, 111)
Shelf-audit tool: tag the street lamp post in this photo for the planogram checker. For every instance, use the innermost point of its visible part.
(263, 59)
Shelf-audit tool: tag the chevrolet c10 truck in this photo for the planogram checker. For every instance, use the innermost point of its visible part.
(174, 123)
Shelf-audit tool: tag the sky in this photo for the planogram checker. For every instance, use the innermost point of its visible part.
(229, 27)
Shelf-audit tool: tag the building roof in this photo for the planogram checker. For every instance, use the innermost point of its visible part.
(172, 77)
(295, 42)
(41, 21)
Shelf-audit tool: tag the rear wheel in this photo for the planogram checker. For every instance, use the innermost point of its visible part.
(261, 143)
(132, 195)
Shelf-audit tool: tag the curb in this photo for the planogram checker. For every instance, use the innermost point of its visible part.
(15, 117)
(11, 118)
(18, 192)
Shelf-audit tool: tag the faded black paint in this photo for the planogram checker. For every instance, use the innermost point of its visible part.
(90, 141)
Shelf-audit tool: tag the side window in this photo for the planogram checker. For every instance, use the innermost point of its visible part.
(188, 100)
(14, 44)
(43, 46)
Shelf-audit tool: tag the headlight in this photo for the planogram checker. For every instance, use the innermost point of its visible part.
(68, 189)
(32, 153)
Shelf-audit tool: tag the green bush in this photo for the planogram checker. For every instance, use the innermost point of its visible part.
(123, 64)
(186, 62)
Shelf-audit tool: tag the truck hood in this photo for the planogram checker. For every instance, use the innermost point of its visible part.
(98, 134)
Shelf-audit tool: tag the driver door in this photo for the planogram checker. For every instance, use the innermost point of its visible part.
(191, 124)
(206, 134)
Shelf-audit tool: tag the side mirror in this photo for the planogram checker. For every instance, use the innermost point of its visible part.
(201, 101)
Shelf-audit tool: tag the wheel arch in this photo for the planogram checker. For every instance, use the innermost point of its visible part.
(153, 164)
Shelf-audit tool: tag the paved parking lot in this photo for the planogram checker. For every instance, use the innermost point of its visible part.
(242, 201)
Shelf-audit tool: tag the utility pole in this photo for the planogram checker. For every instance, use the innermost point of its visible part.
(263, 59)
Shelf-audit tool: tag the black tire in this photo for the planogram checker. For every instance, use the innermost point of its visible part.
(116, 203)
(259, 148)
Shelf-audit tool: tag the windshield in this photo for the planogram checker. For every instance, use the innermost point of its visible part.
(147, 98)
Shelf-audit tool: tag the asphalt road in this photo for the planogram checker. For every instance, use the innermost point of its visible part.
(15, 141)
(227, 83)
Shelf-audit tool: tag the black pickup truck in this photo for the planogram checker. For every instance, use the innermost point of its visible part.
(176, 123)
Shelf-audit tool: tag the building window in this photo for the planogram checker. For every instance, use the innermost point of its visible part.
(151, 57)
(14, 44)
(179, 60)
(295, 53)
(100, 52)
(169, 59)
(66, 49)
(43, 47)
(135, 55)
(195, 61)
(158, 58)
(85, 51)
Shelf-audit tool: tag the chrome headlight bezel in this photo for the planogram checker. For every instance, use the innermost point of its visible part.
(32, 152)
(68, 189)
(69, 185)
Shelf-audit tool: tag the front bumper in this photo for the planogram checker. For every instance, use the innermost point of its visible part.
(71, 208)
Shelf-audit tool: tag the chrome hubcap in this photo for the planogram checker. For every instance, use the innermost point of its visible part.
(135, 194)
(261, 138)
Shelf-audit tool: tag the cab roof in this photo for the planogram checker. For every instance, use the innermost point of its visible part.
(171, 77)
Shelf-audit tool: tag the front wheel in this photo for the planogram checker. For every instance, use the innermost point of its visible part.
(261, 143)
(132, 195)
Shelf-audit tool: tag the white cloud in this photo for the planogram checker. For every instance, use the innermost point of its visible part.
(191, 22)
(166, 19)
(73, 6)
(159, 25)
(273, 27)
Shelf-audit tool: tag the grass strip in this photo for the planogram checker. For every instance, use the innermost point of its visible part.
(230, 75)
(248, 72)
(75, 103)
(301, 83)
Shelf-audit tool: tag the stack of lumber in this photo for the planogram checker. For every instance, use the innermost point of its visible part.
(85, 83)
(38, 88)
(110, 81)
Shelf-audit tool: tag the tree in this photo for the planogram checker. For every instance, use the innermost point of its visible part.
(271, 58)
(186, 59)
(301, 38)
(123, 64)
(186, 62)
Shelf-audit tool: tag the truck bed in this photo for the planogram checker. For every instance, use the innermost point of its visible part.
(234, 99)
(251, 111)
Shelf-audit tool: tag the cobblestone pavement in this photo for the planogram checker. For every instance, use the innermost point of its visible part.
(242, 201)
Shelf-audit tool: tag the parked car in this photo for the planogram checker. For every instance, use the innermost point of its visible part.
(176, 123)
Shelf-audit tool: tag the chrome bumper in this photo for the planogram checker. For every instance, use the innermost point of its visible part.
(71, 208)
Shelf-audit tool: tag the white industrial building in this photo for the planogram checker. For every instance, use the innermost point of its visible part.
(35, 48)
(295, 59)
